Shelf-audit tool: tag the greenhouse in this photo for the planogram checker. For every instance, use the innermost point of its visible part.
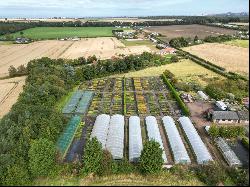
(84, 102)
(178, 149)
(71, 105)
(115, 139)
(154, 133)
(100, 129)
(199, 148)
(227, 153)
(135, 139)
(66, 138)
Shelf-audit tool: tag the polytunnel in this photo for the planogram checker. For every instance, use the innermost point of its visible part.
(199, 148)
(154, 133)
(135, 139)
(115, 139)
(100, 129)
(178, 149)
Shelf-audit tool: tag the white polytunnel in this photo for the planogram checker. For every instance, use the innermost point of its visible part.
(135, 139)
(178, 149)
(199, 148)
(115, 139)
(154, 133)
(100, 129)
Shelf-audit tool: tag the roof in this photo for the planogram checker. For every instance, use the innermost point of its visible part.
(227, 115)
(243, 115)
(221, 103)
(169, 49)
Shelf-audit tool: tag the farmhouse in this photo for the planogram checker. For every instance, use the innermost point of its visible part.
(168, 50)
(225, 117)
(243, 116)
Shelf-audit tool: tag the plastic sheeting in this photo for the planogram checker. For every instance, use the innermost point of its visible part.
(84, 102)
(154, 133)
(135, 139)
(71, 105)
(228, 153)
(178, 149)
(100, 129)
(199, 148)
(115, 139)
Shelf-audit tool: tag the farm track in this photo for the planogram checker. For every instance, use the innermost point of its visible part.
(9, 93)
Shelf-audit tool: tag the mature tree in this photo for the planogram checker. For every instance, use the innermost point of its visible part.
(151, 160)
(42, 157)
(93, 156)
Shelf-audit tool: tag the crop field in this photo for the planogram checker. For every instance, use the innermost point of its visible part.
(238, 43)
(232, 58)
(106, 47)
(201, 31)
(42, 33)
(9, 92)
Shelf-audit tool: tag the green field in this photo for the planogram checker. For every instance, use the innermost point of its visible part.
(239, 43)
(136, 42)
(63, 32)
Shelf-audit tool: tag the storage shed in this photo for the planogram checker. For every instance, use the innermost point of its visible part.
(202, 95)
(100, 129)
(115, 139)
(135, 139)
(178, 149)
(199, 148)
(154, 133)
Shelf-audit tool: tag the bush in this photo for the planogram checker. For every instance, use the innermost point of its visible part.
(226, 132)
(151, 160)
(106, 164)
(174, 59)
(42, 157)
(239, 176)
(245, 142)
(214, 131)
(93, 156)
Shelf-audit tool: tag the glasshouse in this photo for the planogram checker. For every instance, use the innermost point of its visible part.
(115, 139)
(178, 149)
(84, 102)
(154, 133)
(135, 139)
(100, 129)
(71, 105)
(199, 148)
(228, 153)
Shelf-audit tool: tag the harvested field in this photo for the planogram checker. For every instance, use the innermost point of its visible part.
(18, 54)
(232, 58)
(201, 31)
(10, 90)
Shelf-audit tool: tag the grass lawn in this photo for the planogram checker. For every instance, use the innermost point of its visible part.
(239, 43)
(137, 42)
(63, 32)
(185, 70)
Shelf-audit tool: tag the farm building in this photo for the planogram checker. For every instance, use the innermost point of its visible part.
(225, 117)
(243, 116)
(135, 139)
(168, 50)
(202, 95)
(100, 129)
(154, 133)
(199, 148)
(178, 149)
(227, 152)
(115, 139)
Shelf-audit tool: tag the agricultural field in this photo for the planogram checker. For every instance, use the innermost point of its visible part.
(238, 43)
(201, 31)
(232, 58)
(43, 33)
(103, 48)
(9, 92)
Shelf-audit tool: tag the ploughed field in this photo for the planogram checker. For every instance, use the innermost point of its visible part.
(39, 33)
(232, 58)
(106, 47)
(173, 31)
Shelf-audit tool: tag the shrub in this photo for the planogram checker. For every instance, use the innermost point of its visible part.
(106, 164)
(42, 157)
(151, 160)
(93, 156)
(174, 59)
(239, 176)
(214, 131)
(245, 142)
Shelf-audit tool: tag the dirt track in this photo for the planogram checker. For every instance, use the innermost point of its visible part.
(9, 92)
(103, 48)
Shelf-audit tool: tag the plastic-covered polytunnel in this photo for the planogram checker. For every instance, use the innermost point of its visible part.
(178, 149)
(100, 129)
(135, 139)
(115, 139)
(199, 148)
(154, 133)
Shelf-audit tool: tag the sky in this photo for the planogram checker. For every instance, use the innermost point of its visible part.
(116, 8)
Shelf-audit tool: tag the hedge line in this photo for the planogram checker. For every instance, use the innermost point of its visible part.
(176, 95)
